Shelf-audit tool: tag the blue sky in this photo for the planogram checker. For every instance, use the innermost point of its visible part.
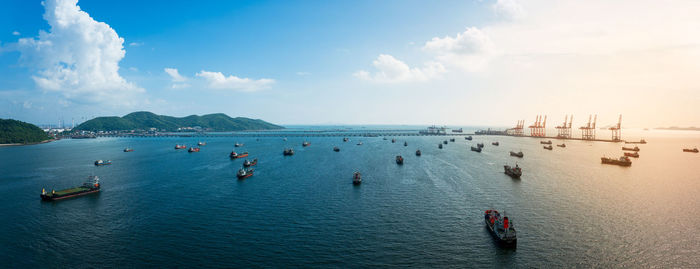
(353, 62)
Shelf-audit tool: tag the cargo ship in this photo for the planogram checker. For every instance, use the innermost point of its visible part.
(200, 143)
(235, 155)
(694, 150)
(193, 149)
(514, 172)
(336, 149)
(518, 154)
(480, 145)
(457, 130)
(101, 162)
(248, 163)
(495, 143)
(444, 142)
(562, 145)
(468, 138)
(639, 142)
(622, 161)
(548, 142)
(549, 147)
(305, 144)
(288, 152)
(92, 185)
(631, 149)
(238, 145)
(501, 228)
(356, 178)
(128, 150)
(244, 173)
(477, 149)
(632, 154)
(180, 146)
(399, 160)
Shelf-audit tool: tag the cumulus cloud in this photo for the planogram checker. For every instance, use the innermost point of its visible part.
(79, 57)
(508, 9)
(470, 49)
(392, 70)
(175, 75)
(217, 80)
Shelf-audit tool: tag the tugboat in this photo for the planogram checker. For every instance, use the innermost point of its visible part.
(248, 163)
(562, 145)
(192, 149)
(631, 149)
(514, 172)
(238, 145)
(200, 143)
(548, 142)
(632, 154)
(405, 144)
(622, 161)
(418, 153)
(288, 152)
(477, 149)
(356, 178)
(245, 173)
(345, 139)
(480, 145)
(101, 162)
(694, 150)
(468, 138)
(399, 160)
(518, 154)
(452, 140)
(180, 146)
(501, 228)
(305, 144)
(440, 146)
(92, 185)
(549, 147)
(495, 143)
(128, 150)
(235, 155)
(336, 149)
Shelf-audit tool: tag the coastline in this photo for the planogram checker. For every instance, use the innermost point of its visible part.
(28, 144)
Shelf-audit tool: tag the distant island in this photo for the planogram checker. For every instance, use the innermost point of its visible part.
(18, 132)
(674, 128)
(143, 120)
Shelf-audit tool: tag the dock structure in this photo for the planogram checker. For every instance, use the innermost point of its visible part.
(588, 131)
(537, 129)
(517, 130)
(616, 134)
(564, 131)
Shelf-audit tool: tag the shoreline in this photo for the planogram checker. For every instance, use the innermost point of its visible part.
(28, 144)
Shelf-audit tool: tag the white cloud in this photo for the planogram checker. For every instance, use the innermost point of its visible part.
(217, 80)
(180, 85)
(508, 9)
(392, 70)
(470, 49)
(303, 73)
(175, 75)
(15, 33)
(78, 58)
(135, 44)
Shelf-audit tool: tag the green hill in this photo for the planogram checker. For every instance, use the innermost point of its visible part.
(14, 131)
(144, 120)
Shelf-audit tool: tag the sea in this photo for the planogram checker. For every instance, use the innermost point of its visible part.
(166, 208)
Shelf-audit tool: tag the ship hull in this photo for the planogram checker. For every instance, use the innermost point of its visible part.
(66, 196)
(505, 242)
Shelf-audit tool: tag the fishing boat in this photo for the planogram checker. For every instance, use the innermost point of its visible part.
(548, 142)
(480, 145)
(200, 143)
(631, 149)
(288, 152)
(91, 185)
(356, 178)
(622, 161)
(418, 153)
(501, 228)
(128, 150)
(248, 163)
(235, 155)
(468, 138)
(694, 150)
(477, 149)
(399, 159)
(405, 144)
(632, 154)
(336, 149)
(180, 146)
(518, 154)
(238, 145)
(562, 145)
(549, 147)
(305, 144)
(193, 149)
(244, 173)
(514, 172)
(440, 146)
(495, 143)
(101, 162)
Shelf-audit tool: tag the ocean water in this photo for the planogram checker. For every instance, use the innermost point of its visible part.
(160, 207)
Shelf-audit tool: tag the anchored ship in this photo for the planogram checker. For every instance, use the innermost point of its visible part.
(501, 228)
(235, 155)
(101, 162)
(518, 154)
(514, 172)
(92, 185)
(622, 161)
(356, 178)
(288, 152)
(245, 173)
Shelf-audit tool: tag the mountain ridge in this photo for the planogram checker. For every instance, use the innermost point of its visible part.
(145, 120)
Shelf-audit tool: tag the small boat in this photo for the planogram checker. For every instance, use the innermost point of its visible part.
(480, 145)
(180, 146)
(92, 185)
(405, 144)
(694, 150)
(514, 172)
(101, 162)
(359, 143)
(495, 143)
(518, 154)
(200, 143)
(399, 159)
(468, 138)
(477, 149)
(549, 147)
(238, 145)
(248, 163)
(622, 161)
(452, 140)
(562, 145)
(288, 152)
(548, 142)
(128, 150)
(345, 139)
(305, 144)
(235, 155)
(393, 140)
(356, 178)
(418, 153)
(501, 228)
(192, 149)
(336, 149)
(444, 142)
(631, 149)
(440, 146)
(244, 173)
(632, 154)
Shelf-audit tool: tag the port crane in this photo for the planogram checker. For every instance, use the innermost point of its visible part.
(518, 129)
(538, 128)
(616, 134)
(564, 131)
(588, 131)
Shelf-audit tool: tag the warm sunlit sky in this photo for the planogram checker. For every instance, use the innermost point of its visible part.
(354, 62)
